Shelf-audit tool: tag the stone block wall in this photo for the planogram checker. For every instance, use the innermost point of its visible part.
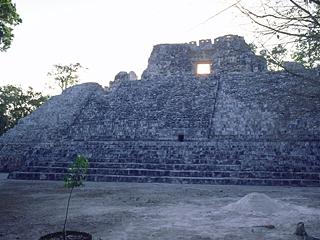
(241, 119)
(47, 125)
(227, 54)
(157, 108)
(266, 106)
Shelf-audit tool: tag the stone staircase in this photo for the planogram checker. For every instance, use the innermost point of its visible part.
(215, 162)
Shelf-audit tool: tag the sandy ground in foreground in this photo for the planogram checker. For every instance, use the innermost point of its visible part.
(119, 211)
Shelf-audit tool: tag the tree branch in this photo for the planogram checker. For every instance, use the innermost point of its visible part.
(306, 11)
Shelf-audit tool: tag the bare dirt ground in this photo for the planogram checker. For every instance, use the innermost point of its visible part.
(120, 211)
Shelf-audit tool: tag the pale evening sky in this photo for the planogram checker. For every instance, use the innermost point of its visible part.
(107, 36)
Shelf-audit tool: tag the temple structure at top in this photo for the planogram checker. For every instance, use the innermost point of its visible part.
(228, 53)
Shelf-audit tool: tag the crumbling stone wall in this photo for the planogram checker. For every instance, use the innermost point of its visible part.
(252, 105)
(150, 109)
(269, 105)
(239, 115)
(227, 54)
(47, 125)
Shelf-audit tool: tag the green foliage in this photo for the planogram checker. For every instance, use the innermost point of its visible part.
(75, 177)
(275, 57)
(65, 75)
(8, 19)
(253, 47)
(294, 24)
(15, 103)
(307, 53)
(77, 172)
(307, 49)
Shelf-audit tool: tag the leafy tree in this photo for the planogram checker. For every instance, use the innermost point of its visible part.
(8, 19)
(15, 103)
(275, 57)
(76, 176)
(293, 23)
(253, 47)
(308, 50)
(65, 75)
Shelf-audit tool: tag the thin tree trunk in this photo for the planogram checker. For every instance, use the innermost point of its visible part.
(65, 220)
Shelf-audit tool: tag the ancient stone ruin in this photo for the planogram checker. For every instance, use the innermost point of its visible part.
(208, 113)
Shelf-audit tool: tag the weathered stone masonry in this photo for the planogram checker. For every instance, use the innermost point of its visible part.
(241, 124)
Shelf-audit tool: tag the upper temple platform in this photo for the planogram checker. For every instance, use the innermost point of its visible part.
(228, 53)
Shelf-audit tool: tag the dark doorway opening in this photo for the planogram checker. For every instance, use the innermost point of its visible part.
(180, 137)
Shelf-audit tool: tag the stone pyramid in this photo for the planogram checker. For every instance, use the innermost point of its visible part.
(237, 123)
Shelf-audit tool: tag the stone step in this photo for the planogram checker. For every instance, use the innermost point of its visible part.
(198, 167)
(166, 179)
(158, 153)
(218, 148)
(180, 173)
(171, 164)
(173, 152)
(151, 161)
(288, 167)
(180, 165)
(139, 172)
(172, 161)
